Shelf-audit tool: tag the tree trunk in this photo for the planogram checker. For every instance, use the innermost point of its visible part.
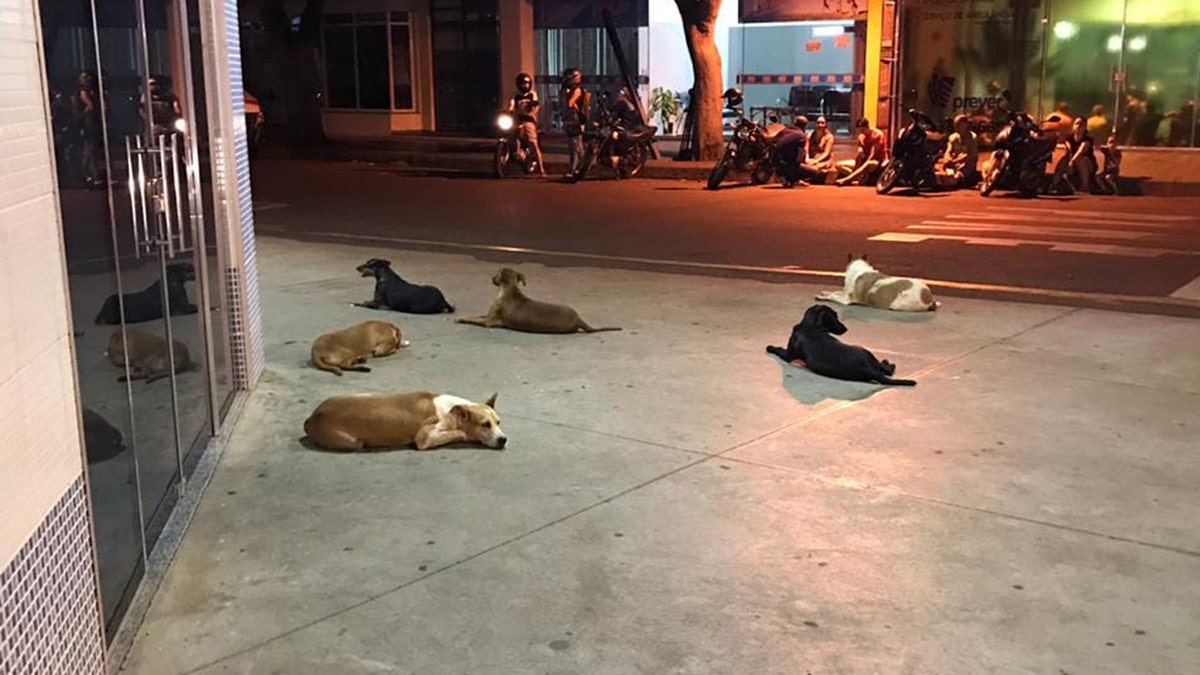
(699, 18)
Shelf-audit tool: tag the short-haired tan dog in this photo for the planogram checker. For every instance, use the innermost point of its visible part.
(395, 420)
(513, 309)
(346, 349)
(866, 285)
(147, 355)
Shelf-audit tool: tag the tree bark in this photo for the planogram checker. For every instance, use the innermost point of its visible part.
(699, 19)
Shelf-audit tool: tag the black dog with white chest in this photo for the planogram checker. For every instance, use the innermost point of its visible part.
(146, 304)
(813, 342)
(392, 292)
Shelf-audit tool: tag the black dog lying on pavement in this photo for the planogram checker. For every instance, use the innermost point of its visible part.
(813, 342)
(392, 292)
(146, 304)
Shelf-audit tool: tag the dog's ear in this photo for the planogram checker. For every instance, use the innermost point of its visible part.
(491, 402)
(864, 257)
(383, 263)
(460, 414)
(521, 278)
(849, 258)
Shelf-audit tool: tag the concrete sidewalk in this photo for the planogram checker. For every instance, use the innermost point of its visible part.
(673, 500)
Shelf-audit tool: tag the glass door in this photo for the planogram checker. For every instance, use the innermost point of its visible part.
(143, 262)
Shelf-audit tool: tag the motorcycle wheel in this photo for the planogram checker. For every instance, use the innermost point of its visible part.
(889, 177)
(500, 161)
(720, 172)
(988, 185)
(762, 174)
(633, 162)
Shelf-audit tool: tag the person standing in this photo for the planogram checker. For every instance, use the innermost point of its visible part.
(86, 104)
(576, 109)
(1098, 125)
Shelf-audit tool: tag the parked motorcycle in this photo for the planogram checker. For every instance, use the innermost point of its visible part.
(513, 146)
(624, 148)
(1019, 162)
(748, 149)
(913, 157)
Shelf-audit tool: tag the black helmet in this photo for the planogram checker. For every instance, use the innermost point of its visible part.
(732, 96)
(572, 77)
(524, 83)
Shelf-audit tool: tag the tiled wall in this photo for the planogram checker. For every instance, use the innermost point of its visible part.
(47, 586)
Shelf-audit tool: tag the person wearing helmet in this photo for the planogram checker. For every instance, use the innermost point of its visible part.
(576, 108)
(524, 106)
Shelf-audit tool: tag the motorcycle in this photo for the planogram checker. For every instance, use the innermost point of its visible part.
(1019, 162)
(623, 147)
(513, 146)
(748, 149)
(913, 157)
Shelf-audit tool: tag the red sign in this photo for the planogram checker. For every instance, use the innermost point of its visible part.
(842, 41)
(812, 46)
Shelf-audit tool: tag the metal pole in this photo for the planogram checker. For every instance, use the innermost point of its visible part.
(1045, 43)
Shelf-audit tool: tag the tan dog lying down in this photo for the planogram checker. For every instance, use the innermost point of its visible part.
(147, 355)
(513, 309)
(866, 285)
(395, 420)
(346, 349)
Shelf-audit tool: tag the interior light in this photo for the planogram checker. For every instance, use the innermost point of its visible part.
(1065, 30)
(1114, 43)
(1137, 43)
(828, 31)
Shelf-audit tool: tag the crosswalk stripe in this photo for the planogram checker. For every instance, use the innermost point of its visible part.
(1062, 219)
(1025, 229)
(1131, 215)
(1189, 291)
(1058, 246)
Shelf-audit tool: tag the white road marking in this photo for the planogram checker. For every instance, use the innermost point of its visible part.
(267, 206)
(943, 225)
(1060, 219)
(1058, 246)
(1132, 215)
(1189, 291)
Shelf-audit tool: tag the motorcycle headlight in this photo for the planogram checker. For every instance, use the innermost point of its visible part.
(741, 133)
(181, 125)
(615, 135)
(504, 122)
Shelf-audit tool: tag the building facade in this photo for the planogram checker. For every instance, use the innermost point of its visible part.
(446, 66)
(125, 210)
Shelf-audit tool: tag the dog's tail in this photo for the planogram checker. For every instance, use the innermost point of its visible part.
(899, 383)
(449, 308)
(588, 329)
(777, 351)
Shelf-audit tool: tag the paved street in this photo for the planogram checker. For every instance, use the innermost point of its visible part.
(1138, 246)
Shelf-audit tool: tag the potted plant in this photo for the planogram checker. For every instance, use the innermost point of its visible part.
(665, 104)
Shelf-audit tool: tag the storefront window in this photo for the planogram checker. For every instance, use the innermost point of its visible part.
(368, 61)
(1128, 67)
(792, 69)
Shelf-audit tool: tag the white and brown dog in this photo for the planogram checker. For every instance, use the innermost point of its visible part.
(866, 285)
(396, 420)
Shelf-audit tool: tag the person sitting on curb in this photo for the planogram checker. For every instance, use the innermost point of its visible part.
(961, 161)
(1112, 165)
(872, 152)
(1078, 168)
(791, 147)
(820, 153)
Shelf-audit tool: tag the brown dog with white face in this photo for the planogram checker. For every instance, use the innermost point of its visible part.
(346, 349)
(147, 355)
(396, 420)
(513, 309)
